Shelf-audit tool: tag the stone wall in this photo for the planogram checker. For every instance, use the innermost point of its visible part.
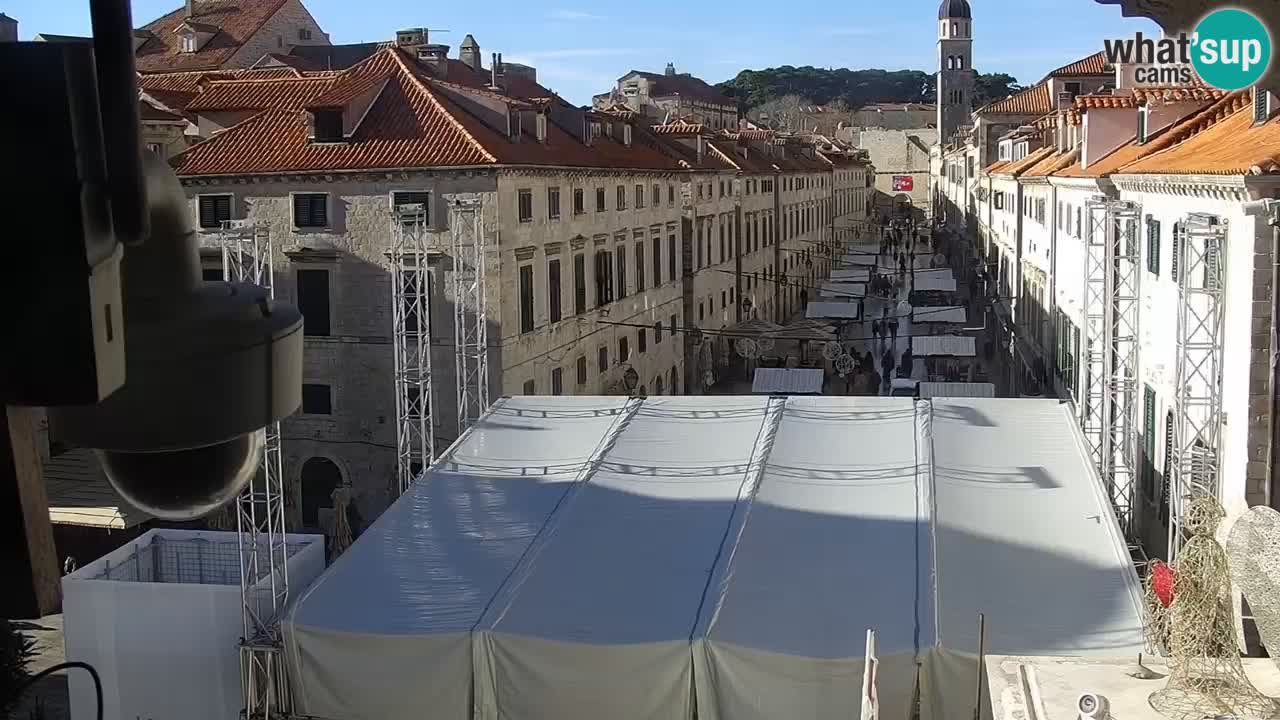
(279, 34)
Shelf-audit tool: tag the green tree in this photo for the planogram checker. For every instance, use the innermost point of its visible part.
(992, 87)
(851, 88)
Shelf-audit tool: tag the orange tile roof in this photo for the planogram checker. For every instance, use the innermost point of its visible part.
(414, 123)
(1018, 167)
(995, 167)
(1095, 64)
(1220, 140)
(1034, 100)
(1052, 163)
(679, 128)
(276, 94)
(235, 20)
(1105, 101)
(1157, 95)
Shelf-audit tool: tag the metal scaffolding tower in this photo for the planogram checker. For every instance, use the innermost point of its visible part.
(1111, 303)
(470, 317)
(411, 341)
(260, 513)
(1199, 252)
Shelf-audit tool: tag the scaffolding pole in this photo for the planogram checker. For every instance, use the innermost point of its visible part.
(1199, 249)
(470, 316)
(1111, 319)
(247, 250)
(411, 342)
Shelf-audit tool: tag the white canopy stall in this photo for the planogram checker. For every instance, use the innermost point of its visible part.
(957, 315)
(943, 346)
(933, 281)
(854, 274)
(832, 310)
(580, 558)
(787, 381)
(843, 290)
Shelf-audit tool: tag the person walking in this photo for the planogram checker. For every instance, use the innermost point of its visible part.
(908, 362)
(886, 365)
(875, 329)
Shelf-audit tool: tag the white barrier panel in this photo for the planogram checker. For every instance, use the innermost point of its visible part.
(160, 620)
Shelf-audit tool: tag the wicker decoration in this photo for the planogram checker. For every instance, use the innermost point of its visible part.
(1206, 677)
(1253, 549)
(340, 533)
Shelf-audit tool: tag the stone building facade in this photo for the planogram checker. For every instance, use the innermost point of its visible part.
(671, 97)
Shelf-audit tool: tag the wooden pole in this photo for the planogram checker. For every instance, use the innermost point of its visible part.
(982, 656)
(33, 583)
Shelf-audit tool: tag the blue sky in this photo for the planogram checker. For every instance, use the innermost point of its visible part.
(580, 48)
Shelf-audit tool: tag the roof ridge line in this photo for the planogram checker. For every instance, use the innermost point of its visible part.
(1183, 133)
(431, 96)
(220, 134)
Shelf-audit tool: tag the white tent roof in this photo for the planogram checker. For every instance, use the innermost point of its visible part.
(848, 290)
(932, 281)
(944, 345)
(787, 381)
(578, 557)
(950, 314)
(839, 309)
(853, 274)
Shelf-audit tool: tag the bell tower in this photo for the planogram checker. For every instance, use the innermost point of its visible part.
(955, 67)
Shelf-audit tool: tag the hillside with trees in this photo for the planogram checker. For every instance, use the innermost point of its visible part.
(851, 88)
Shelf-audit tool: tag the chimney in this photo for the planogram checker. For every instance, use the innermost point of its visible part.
(8, 29)
(469, 53)
(191, 8)
(435, 58)
(670, 71)
(493, 71)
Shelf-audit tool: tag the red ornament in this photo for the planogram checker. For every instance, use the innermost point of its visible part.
(1162, 582)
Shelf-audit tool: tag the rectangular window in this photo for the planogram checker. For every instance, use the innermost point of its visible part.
(311, 210)
(557, 381)
(579, 203)
(313, 301)
(579, 284)
(214, 210)
(624, 349)
(639, 267)
(657, 195)
(642, 341)
(657, 260)
(412, 292)
(697, 265)
(622, 197)
(671, 257)
(622, 271)
(657, 332)
(525, 202)
(722, 229)
(553, 290)
(671, 194)
(327, 126)
(316, 399)
(602, 359)
(582, 370)
(639, 196)
(526, 298)
(553, 203)
(1153, 246)
(599, 199)
(529, 387)
(1079, 222)
(604, 278)
(414, 208)
(671, 325)
(1149, 443)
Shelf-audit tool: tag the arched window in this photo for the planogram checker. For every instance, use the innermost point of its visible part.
(951, 62)
(955, 28)
(959, 62)
(320, 477)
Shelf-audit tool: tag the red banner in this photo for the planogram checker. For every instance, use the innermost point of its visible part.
(903, 183)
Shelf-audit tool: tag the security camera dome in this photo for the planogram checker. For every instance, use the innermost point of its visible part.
(207, 367)
(211, 476)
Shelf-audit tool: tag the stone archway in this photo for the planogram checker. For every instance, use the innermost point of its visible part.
(319, 478)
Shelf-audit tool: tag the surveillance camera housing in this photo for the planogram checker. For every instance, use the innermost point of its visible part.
(1093, 706)
(207, 365)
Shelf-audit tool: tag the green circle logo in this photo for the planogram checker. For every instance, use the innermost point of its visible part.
(1231, 49)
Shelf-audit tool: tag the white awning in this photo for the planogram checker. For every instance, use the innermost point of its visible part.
(930, 281)
(929, 390)
(943, 345)
(787, 381)
(584, 558)
(839, 310)
(949, 314)
(854, 274)
(843, 289)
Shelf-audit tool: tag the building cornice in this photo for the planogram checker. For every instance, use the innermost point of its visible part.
(1216, 187)
(1094, 184)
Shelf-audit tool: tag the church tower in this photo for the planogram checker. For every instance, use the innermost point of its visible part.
(955, 66)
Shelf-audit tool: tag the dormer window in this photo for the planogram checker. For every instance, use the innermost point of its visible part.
(1142, 125)
(1261, 105)
(328, 126)
(189, 43)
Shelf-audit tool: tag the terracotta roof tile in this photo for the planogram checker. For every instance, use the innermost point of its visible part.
(1161, 95)
(1220, 140)
(1105, 101)
(679, 128)
(1095, 64)
(414, 123)
(1034, 100)
(1052, 163)
(277, 94)
(236, 21)
(1017, 167)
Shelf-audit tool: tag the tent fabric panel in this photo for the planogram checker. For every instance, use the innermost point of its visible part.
(1026, 535)
(787, 381)
(332, 675)
(950, 314)
(839, 310)
(943, 345)
(928, 281)
(821, 498)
